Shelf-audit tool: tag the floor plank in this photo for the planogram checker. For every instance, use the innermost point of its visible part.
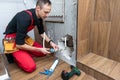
(101, 65)
(45, 62)
(116, 72)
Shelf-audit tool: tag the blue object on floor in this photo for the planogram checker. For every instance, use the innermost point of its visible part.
(47, 72)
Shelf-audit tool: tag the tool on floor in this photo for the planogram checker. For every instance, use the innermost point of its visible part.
(51, 70)
(67, 75)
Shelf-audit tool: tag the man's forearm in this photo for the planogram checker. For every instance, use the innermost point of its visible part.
(50, 41)
(28, 47)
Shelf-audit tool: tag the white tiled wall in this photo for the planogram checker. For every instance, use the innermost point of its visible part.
(57, 8)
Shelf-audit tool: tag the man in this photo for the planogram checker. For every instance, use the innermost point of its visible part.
(24, 47)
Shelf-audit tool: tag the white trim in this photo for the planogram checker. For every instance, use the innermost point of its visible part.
(5, 76)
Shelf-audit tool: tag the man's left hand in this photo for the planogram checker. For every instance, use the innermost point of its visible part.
(54, 46)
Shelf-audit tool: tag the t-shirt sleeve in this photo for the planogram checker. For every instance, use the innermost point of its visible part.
(23, 22)
(40, 26)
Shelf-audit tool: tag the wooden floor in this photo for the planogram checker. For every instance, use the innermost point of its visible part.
(44, 62)
(2, 71)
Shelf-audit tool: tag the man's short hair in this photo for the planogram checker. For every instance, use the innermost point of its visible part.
(43, 2)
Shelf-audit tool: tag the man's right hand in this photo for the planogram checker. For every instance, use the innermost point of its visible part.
(45, 50)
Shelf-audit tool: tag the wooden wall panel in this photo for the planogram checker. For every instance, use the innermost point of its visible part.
(100, 32)
(114, 42)
(85, 16)
(102, 10)
(83, 49)
(99, 24)
(105, 30)
(84, 10)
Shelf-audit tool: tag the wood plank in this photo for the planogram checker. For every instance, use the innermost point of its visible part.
(83, 76)
(116, 72)
(82, 48)
(100, 66)
(86, 11)
(100, 32)
(114, 42)
(92, 72)
(87, 77)
(107, 67)
(2, 69)
(86, 58)
(85, 16)
(102, 10)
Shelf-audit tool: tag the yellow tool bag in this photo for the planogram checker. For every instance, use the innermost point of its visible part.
(29, 40)
(10, 45)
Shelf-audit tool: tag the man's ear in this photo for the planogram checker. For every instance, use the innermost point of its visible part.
(37, 8)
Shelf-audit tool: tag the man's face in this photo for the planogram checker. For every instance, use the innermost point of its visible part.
(44, 11)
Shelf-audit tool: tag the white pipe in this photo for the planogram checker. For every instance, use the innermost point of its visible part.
(44, 41)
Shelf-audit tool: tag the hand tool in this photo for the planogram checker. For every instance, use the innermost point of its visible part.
(50, 71)
(67, 75)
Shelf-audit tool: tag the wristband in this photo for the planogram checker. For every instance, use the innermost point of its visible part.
(50, 41)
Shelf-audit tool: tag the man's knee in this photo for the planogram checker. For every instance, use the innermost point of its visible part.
(30, 68)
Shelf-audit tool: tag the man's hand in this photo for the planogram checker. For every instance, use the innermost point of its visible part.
(50, 41)
(45, 50)
(54, 46)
